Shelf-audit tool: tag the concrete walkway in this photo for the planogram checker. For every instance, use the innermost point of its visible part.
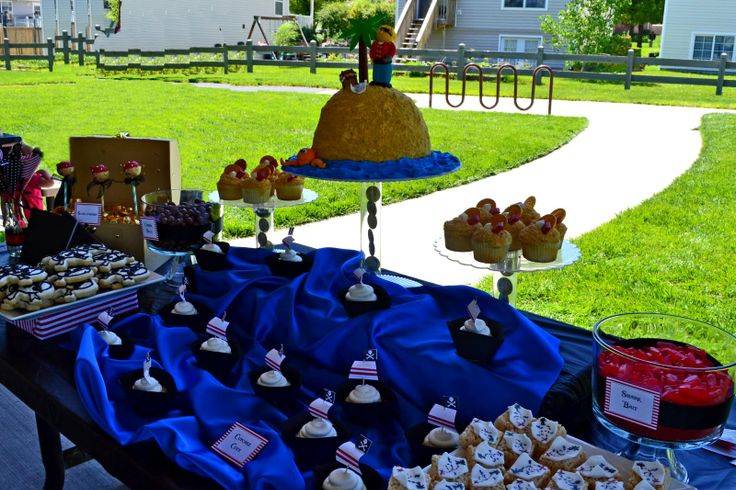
(627, 153)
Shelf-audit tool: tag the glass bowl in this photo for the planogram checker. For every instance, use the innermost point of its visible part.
(663, 381)
(182, 217)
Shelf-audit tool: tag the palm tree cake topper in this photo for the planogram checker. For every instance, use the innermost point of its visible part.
(361, 32)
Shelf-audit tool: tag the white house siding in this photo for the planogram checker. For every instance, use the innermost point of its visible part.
(686, 18)
(158, 25)
(48, 15)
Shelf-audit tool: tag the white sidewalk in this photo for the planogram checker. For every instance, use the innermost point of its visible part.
(627, 153)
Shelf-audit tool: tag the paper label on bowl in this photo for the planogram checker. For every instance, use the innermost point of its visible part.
(149, 228)
(239, 444)
(632, 403)
(88, 213)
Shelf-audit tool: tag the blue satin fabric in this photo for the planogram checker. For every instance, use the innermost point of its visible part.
(416, 359)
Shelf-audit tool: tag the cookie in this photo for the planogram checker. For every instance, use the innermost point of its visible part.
(11, 301)
(74, 275)
(93, 249)
(36, 294)
(110, 280)
(27, 275)
(111, 260)
(7, 276)
(84, 289)
(67, 259)
(64, 296)
(135, 273)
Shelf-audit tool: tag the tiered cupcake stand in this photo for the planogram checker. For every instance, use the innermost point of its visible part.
(264, 213)
(504, 273)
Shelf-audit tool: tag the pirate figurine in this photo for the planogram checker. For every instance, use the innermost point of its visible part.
(348, 79)
(382, 54)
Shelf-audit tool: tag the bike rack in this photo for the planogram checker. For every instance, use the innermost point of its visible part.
(499, 71)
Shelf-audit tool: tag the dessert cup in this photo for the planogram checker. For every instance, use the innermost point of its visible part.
(310, 452)
(213, 261)
(285, 396)
(197, 322)
(357, 308)
(122, 351)
(422, 453)
(148, 403)
(365, 412)
(371, 478)
(473, 346)
(221, 365)
(284, 268)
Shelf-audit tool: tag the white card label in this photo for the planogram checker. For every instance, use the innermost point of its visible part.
(104, 318)
(635, 404)
(239, 445)
(88, 213)
(149, 228)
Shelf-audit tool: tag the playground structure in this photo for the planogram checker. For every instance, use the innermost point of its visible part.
(280, 18)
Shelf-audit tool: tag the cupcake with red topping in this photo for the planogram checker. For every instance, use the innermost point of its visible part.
(289, 187)
(491, 243)
(459, 231)
(487, 208)
(560, 214)
(528, 213)
(229, 187)
(256, 188)
(541, 240)
(514, 225)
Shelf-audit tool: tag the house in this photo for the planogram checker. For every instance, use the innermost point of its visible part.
(494, 25)
(72, 16)
(158, 25)
(20, 13)
(699, 29)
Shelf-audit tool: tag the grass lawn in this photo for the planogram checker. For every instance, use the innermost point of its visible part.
(672, 254)
(215, 127)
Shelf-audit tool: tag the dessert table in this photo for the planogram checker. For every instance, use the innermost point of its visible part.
(41, 375)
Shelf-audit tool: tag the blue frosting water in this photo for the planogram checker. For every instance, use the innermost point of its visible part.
(435, 164)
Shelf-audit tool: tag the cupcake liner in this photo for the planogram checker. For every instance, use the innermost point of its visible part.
(458, 242)
(222, 366)
(197, 322)
(312, 452)
(256, 195)
(357, 308)
(284, 397)
(371, 478)
(122, 351)
(230, 192)
(475, 347)
(289, 269)
(365, 413)
(213, 261)
(487, 253)
(289, 192)
(543, 252)
(147, 403)
(421, 454)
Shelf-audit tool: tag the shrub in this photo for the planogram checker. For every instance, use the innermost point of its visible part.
(335, 17)
(288, 34)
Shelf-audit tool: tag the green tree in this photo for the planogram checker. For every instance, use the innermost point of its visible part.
(334, 17)
(301, 7)
(585, 26)
(360, 33)
(288, 34)
(640, 12)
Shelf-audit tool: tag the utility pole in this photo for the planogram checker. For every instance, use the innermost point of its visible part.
(73, 27)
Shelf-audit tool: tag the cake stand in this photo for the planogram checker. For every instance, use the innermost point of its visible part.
(264, 213)
(371, 176)
(504, 273)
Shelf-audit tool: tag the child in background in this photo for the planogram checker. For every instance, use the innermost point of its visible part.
(33, 194)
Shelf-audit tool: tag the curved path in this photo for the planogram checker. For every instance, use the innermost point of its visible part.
(627, 153)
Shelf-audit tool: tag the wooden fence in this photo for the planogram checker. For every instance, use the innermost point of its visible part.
(70, 47)
(226, 56)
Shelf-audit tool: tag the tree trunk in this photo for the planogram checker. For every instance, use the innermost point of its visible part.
(362, 61)
(640, 38)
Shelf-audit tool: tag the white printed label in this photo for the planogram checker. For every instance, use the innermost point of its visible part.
(637, 405)
(88, 213)
(149, 228)
(239, 445)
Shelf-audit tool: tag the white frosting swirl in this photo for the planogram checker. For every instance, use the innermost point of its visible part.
(517, 443)
(361, 292)
(290, 256)
(544, 429)
(184, 308)
(486, 431)
(611, 484)
(562, 449)
(151, 385)
(273, 379)
(410, 478)
(487, 456)
(442, 438)
(212, 247)
(651, 472)
(317, 428)
(566, 480)
(597, 467)
(519, 416)
(450, 467)
(527, 469)
(485, 477)
(343, 479)
(216, 344)
(111, 338)
(364, 393)
(476, 326)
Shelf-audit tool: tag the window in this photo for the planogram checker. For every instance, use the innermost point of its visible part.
(279, 7)
(106, 4)
(6, 6)
(519, 44)
(710, 47)
(525, 4)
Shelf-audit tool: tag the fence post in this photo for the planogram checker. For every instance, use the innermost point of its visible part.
(100, 54)
(80, 48)
(540, 62)
(721, 74)
(629, 69)
(65, 46)
(50, 48)
(249, 55)
(6, 53)
(460, 60)
(225, 57)
(312, 56)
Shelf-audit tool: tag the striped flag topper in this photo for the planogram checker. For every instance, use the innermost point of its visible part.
(350, 452)
(320, 407)
(105, 318)
(288, 240)
(474, 309)
(365, 369)
(218, 327)
(443, 415)
(274, 358)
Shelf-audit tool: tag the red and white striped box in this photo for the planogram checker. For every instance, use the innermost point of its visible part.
(59, 322)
